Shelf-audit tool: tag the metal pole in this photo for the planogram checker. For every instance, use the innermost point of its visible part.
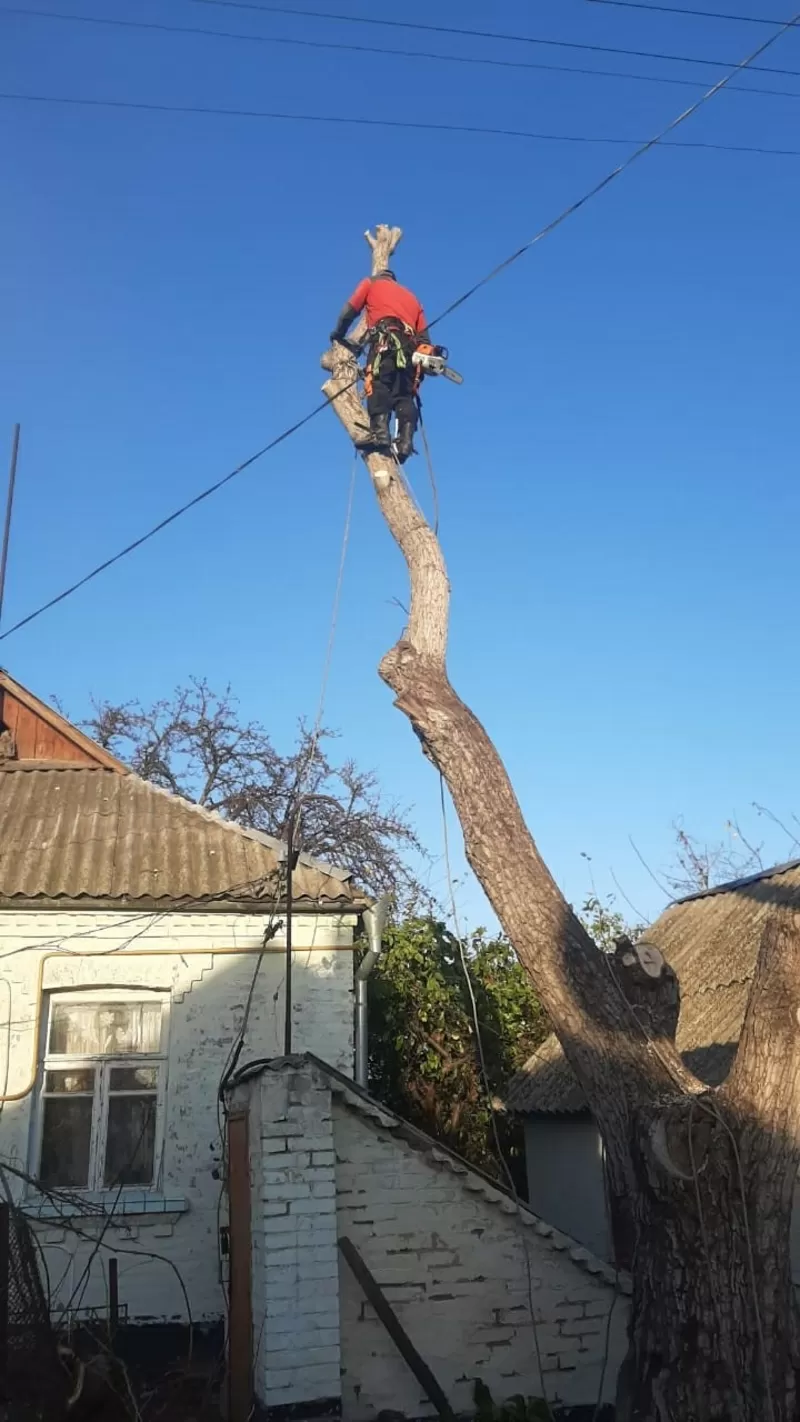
(12, 479)
(287, 1031)
(113, 1295)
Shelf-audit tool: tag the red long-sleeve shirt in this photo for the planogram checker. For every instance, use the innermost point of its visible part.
(388, 298)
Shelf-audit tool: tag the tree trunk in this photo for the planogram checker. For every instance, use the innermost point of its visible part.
(702, 1181)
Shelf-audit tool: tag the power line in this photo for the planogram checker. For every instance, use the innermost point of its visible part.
(471, 60)
(490, 35)
(681, 10)
(621, 168)
(476, 130)
(501, 267)
(184, 508)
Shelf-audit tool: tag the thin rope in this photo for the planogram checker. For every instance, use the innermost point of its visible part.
(431, 473)
(462, 953)
(337, 597)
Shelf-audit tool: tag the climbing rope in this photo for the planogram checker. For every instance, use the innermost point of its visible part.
(431, 472)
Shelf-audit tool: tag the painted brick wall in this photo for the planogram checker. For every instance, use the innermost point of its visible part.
(207, 989)
(295, 1257)
(448, 1250)
(453, 1267)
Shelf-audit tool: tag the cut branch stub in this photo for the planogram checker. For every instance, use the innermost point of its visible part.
(649, 985)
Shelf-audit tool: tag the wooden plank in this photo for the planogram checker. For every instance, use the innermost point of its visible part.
(376, 1297)
(240, 1316)
(69, 743)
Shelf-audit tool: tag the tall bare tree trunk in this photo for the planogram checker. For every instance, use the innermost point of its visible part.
(702, 1180)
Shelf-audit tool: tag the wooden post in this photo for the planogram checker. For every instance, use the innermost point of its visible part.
(376, 1297)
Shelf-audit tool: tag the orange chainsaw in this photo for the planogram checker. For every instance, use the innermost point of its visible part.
(432, 360)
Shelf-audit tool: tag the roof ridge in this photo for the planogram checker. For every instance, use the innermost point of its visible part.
(477, 1183)
(267, 841)
(732, 884)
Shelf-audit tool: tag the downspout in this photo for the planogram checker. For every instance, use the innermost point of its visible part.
(374, 922)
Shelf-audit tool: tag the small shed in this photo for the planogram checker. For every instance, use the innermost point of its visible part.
(711, 939)
(372, 1269)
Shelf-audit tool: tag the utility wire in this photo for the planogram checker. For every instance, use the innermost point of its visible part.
(622, 167)
(489, 34)
(476, 130)
(484, 60)
(292, 429)
(681, 10)
(184, 508)
(502, 1159)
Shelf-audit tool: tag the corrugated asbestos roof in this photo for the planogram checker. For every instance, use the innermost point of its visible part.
(77, 832)
(712, 941)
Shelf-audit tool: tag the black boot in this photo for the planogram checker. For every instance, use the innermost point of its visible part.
(376, 437)
(404, 443)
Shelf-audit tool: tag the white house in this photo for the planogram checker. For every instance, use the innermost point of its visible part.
(151, 1115)
(136, 933)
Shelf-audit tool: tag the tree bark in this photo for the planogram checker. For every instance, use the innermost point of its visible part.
(711, 1333)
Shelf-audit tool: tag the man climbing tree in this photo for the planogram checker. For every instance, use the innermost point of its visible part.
(395, 327)
(701, 1179)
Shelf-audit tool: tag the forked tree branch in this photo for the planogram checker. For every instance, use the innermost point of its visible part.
(602, 1034)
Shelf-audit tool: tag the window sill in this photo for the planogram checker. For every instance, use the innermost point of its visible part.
(131, 1203)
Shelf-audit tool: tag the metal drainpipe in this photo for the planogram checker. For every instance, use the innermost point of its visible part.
(374, 922)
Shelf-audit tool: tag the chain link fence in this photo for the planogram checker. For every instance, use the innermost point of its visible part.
(33, 1384)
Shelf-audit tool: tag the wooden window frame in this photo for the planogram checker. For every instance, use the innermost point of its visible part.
(102, 1065)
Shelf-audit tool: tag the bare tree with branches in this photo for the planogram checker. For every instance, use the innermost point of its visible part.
(197, 745)
(701, 1180)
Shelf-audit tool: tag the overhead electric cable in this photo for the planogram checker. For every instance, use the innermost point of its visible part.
(184, 508)
(491, 34)
(476, 130)
(501, 266)
(415, 54)
(683, 10)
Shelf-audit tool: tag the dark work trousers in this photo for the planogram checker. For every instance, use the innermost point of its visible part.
(393, 389)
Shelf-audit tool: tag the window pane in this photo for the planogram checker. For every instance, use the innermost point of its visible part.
(130, 1145)
(70, 1082)
(89, 1029)
(134, 1078)
(66, 1139)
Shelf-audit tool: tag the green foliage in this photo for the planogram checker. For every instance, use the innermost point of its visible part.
(605, 923)
(514, 1409)
(424, 1058)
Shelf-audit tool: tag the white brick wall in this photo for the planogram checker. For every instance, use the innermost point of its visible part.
(453, 1267)
(295, 1286)
(207, 989)
(451, 1262)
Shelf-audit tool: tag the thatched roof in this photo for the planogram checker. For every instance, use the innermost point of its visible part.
(711, 939)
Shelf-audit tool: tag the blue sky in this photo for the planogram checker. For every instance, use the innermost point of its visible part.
(617, 475)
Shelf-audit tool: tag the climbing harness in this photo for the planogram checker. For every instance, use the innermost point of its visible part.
(391, 335)
(394, 335)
